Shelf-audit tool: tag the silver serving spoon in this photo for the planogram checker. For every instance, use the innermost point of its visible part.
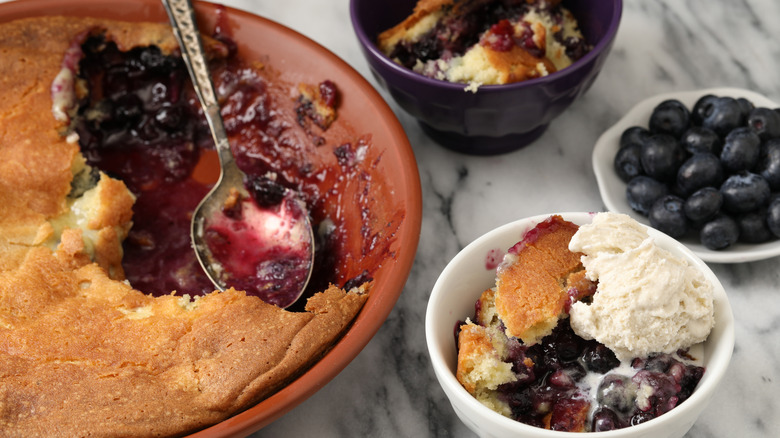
(271, 253)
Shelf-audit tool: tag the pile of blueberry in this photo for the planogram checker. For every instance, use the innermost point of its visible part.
(551, 387)
(712, 170)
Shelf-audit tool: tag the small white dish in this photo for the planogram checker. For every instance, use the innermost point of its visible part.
(613, 189)
(465, 277)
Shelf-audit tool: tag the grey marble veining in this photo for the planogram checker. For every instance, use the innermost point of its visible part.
(662, 46)
(389, 390)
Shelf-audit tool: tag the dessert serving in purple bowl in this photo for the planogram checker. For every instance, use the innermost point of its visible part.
(468, 115)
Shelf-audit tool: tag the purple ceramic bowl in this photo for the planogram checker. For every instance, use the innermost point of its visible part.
(497, 118)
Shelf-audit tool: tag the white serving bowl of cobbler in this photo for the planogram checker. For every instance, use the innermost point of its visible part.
(559, 384)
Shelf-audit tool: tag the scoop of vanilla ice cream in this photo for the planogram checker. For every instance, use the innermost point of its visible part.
(648, 300)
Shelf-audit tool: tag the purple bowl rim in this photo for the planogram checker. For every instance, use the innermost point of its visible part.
(408, 74)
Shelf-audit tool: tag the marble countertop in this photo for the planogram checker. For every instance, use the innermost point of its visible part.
(390, 390)
(662, 46)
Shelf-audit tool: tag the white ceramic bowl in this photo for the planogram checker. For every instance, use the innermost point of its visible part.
(613, 189)
(466, 276)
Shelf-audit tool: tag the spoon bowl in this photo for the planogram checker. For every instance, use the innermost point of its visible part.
(260, 241)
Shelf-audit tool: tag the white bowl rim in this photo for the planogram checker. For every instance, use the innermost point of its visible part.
(715, 371)
(613, 189)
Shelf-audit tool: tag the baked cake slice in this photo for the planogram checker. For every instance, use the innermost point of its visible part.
(485, 42)
(83, 353)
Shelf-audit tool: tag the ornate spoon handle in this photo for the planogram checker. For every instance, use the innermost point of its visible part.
(182, 16)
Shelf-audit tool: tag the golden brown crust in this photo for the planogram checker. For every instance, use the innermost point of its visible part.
(424, 8)
(517, 64)
(82, 353)
(532, 292)
(473, 346)
(79, 342)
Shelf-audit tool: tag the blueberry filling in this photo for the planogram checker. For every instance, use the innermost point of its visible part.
(456, 33)
(139, 121)
(552, 387)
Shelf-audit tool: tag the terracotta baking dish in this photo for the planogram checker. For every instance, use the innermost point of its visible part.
(362, 112)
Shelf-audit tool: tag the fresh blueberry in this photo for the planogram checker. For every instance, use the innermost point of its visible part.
(698, 171)
(769, 163)
(702, 108)
(669, 117)
(700, 139)
(744, 192)
(722, 115)
(668, 216)
(628, 162)
(643, 191)
(719, 233)
(746, 105)
(753, 226)
(703, 204)
(661, 156)
(634, 135)
(765, 122)
(741, 149)
(773, 216)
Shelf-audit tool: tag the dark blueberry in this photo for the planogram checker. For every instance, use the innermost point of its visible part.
(169, 118)
(744, 192)
(765, 122)
(658, 363)
(565, 345)
(598, 358)
(700, 139)
(520, 401)
(266, 191)
(669, 117)
(628, 162)
(702, 108)
(661, 156)
(769, 163)
(561, 379)
(773, 216)
(159, 93)
(634, 135)
(741, 149)
(641, 417)
(753, 227)
(576, 371)
(152, 58)
(719, 233)
(576, 47)
(605, 419)
(116, 82)
(698, 171)
(746, 105)
(668, 216)
(643, 191)
(689, 381)
(723, 115)
(128, 109)
(703, 204)
(616, 392)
